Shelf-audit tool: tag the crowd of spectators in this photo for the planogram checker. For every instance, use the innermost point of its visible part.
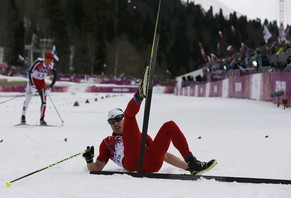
(12, 70)
(268, 58)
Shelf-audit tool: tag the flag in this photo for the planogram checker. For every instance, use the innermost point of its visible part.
(54, 51)
(220, 34)
(243, 48)
(203, 54)
(213, 57)
(282, 35)
(267, 34)
(20, 58)
(230, 48)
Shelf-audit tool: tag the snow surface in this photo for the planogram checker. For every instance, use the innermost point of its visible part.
(232, 130)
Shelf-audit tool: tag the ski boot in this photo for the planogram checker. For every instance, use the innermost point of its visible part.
(23, 121)
(197, 168)
(42, 122)
(143, 87)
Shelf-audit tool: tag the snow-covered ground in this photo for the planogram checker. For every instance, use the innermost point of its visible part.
(248, 139)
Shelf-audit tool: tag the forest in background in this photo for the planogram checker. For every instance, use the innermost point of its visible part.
(114, 37)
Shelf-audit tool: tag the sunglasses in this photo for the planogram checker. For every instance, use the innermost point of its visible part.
(117, 118)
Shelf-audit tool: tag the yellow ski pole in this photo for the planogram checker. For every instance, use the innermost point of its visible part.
(8, 184)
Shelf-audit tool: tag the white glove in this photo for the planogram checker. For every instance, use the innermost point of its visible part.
(33, 90)
(48, 91)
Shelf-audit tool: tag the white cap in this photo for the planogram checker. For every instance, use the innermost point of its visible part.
(115, 112)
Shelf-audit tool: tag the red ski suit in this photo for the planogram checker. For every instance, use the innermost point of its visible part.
(154, 150)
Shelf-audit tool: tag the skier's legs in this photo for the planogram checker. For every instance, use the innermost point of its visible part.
(41, 86)
(43, 103)
(26, 103)
(154, 155)
(131, 136)
(27, 100)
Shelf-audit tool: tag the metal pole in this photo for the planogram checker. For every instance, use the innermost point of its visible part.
(8, 184)
(56, 109)
(12, 98)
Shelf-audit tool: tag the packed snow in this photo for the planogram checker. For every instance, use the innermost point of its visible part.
(248, 138)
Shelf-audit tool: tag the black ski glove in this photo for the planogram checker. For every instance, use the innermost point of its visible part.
(89, 154)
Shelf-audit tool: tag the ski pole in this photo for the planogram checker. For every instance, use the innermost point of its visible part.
(8, 184)
(12, 98)
(56, 109)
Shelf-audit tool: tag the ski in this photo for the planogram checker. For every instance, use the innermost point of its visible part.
(150, 79)
(37, 125)
(195, 177)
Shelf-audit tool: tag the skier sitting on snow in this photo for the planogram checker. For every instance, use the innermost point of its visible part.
(123, 146)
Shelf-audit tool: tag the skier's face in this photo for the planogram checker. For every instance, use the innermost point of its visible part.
(48, 61)
(117, 127)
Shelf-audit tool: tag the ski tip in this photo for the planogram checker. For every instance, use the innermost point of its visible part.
(20, 124)
(35, 125)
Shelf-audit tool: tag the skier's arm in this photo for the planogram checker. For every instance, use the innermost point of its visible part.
(175, 161)
(96, 166)
(31, 70)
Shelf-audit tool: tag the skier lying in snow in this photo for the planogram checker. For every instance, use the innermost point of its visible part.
(123, 146)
